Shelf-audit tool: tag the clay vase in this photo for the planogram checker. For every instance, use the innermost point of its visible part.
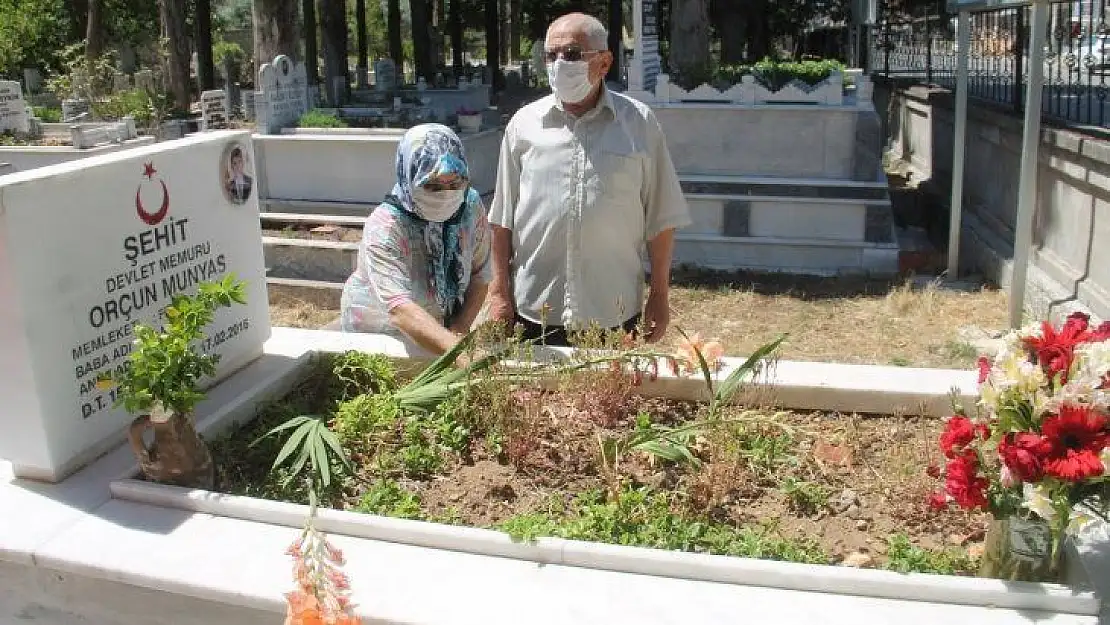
(177, 456)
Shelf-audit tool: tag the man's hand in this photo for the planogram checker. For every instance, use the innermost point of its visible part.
(501, 308)
(657, 314)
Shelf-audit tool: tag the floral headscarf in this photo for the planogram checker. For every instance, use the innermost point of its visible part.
(429, 151)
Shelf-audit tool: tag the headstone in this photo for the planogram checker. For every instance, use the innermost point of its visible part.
(13, 110)
(144, 79)
(385, 75)
(214, 110)
(73, 109)
(90, 247)
(248, 105)
(92, 135)
(644, 70)
(32, 79)
(234, 99)
(283, 94)
(421, 84)
(120, 82)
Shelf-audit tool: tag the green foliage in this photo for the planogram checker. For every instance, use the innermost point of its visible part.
(804, 497)
(137, 103)
(31, 31)
(164, 366)
(228, 51)
(642, 518)
(364, 418)
(312, 446)
(388, 498)
(357, 372)
(777, 74)
(319, 119)
(48, 115)
(903, 557)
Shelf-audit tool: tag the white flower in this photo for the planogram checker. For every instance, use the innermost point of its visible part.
(1038, 502)
(1079, 521)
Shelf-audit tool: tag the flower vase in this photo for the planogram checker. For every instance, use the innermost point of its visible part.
(1024, 550)
(470, 123)
(177, 455)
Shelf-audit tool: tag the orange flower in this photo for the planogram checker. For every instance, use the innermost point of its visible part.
(303, 609)
(688, 350)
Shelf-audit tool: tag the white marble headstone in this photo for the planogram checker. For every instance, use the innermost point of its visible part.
(214, 109)
(92, 246)
(283, 94)
(13, 109)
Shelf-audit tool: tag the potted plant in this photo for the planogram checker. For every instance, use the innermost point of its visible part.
(1034, 454)
(160, 384)
(470, 120)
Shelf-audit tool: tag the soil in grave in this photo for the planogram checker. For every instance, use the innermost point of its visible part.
(316, 233)
(815, 487)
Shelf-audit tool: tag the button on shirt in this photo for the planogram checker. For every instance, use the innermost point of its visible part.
(582, 196)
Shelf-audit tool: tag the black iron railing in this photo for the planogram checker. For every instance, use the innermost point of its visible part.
(922, 45)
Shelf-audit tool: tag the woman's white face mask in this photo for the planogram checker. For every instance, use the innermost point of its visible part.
(570, 80)
(437, 206)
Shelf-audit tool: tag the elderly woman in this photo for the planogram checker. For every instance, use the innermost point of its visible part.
(424, 261)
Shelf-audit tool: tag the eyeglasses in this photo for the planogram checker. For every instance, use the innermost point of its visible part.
(570, 54)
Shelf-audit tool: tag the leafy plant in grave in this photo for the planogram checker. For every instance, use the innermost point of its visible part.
(160, 383)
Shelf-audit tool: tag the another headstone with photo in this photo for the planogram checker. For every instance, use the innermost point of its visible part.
(214, 110)
(121, 234)
(14, 115)
(385, 75)
(282, 96)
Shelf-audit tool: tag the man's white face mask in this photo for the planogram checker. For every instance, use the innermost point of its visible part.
(570, 80)
(437, 206)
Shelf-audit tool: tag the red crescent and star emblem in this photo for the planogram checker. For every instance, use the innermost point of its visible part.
(152, 219)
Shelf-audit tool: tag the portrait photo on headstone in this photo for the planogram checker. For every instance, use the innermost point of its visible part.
(235, 177)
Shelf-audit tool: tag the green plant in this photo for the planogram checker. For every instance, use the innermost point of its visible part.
(165, 366)
(904, 557)
(48, 115)
(355, 373)
(388, 498)
(228, 51)
(360, 419)
(804, 497)
(136, 103)
(319, 119)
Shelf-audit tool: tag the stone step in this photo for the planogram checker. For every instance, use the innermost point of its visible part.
(322, 293)
(279, 219)
(770, 189)
(316, 207)
(789, 255)
(308, 259)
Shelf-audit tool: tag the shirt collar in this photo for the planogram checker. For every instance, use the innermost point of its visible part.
(604, 102)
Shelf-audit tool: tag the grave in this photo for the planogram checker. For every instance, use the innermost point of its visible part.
(85, 136)
(144, 79)
(385, 75)
(121, 82)
(14, 114)
(214, 110)
(73, 109)
(88, 249)
(282, 96)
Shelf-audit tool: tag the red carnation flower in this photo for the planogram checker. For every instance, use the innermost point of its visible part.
(1056, 350)
(963, 482)
(1077, 436)
(984, 369)
(1102, 333)
(958, 433)
(1024, 454)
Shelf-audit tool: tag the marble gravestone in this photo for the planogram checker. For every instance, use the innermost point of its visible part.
(385, 75)
(282, 96)
(214, 110)
(14, 116)
(91, 247)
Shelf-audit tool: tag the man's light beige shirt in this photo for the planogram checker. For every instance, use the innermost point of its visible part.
(582, 196)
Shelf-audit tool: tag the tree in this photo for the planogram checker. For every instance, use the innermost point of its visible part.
(275, 30)
(396, 51)
(94, 31)
(333, 30)
(206, 74)
(174, 25)
(420, 11)
(689, 49)
(31, 34)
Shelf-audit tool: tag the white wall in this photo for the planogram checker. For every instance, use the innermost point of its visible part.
(24, 158)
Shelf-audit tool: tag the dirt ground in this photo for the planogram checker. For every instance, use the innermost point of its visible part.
(844, 319)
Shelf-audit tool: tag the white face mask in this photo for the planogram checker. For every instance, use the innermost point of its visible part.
(437, 206)
(570, 80)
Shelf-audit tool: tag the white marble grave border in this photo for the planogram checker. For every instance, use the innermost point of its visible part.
(829, 92)
(215, 549)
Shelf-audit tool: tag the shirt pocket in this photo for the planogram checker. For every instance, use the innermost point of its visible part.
(618, 176)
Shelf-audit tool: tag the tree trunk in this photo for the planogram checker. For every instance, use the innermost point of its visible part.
(360, 38)
(206, 71)
(79, 19)
(515, 16)
(420, 10)
(493, 42)
(311, 52)
(757, 28)
(94, 31)
(616, 23)
(456, 36)
(504, 30)
(393, 24)
(728, 16)
(275, 30)
(689, 57)
(333, 27)
(174, 27)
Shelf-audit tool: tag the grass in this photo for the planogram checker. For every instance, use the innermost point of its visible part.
(847, 320)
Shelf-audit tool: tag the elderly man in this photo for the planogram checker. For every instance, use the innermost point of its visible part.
(584, 181)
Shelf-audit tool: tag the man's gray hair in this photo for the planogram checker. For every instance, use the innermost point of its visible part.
(597, 37)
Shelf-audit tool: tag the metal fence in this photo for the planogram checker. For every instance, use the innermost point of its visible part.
(921, 45)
